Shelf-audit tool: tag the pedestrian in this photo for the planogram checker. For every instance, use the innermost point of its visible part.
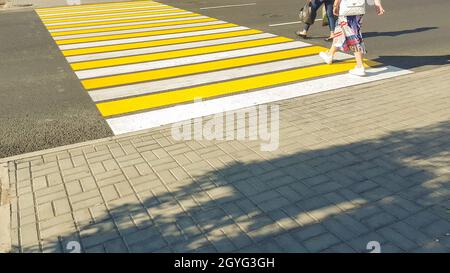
(315, 5)
(348, 36)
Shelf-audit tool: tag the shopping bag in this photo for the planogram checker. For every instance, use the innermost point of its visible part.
(305, 13)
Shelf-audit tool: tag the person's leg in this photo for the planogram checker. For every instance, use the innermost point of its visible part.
(359, 69)
(315, 5)
(332, 51)
(359, 56)
(306, 27)
(330, 15)
(327, 56)
(358, 47)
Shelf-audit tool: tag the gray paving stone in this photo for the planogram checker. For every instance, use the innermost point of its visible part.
(289, 244)
(395, 238)
(273, 204)
(363, 186)
(359, 244)
(375, 194)
(379, 220)
(437, 229)
(338, 229)
(411, 233)
(270, 246)
(99, 233)
(321, 242)
(29, 235)
(151, 245)
(327, 187)
(391, 248)
(308, 232)
(141, 235)
(339, 248)
(421, 219)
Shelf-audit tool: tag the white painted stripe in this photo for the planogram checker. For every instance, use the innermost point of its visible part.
(152, 119)
(97, 6)
(206, 78)
(290, 23)
(127, 24)
(118, 19)
(107, 14)
(114, 70)
(45, 15)
(283, 24)
(230, 6)
(76, 36)
(131, 52)
(150, 38)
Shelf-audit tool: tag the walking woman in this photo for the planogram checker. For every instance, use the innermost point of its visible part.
(348, 37)
(315, 5)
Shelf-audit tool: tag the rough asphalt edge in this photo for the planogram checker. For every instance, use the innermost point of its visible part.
(5, 210)
(9, 7)
(411, 76)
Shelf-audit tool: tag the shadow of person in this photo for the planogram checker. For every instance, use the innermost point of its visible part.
(397, 33)
(409, 62)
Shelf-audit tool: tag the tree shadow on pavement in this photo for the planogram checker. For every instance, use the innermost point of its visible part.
(393, 189)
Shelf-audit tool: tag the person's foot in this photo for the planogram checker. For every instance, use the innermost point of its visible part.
(358, 71)
(301, 34)
(326, 58)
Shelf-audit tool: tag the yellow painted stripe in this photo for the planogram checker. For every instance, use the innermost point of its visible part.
(123, 21)
(97, 12)
(219, 89)
(110, 16)
(163, 73)
(98, 30)
(99, 49)
(141, 34)
(93, 6)
(177, 53)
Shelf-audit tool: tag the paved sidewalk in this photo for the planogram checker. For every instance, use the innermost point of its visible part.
(368, 163)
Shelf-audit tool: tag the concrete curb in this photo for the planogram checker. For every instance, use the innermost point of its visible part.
(5, 210)
(142, 132)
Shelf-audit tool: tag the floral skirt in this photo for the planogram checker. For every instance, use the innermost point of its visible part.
(348, 36)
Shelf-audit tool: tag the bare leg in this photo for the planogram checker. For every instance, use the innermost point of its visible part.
(359, 59)
(359, 69)
(332, 51)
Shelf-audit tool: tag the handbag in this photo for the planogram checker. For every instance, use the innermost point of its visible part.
(352, 7)
(305, 14)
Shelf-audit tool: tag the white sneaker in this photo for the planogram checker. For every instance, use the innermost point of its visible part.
(358, 71)
(326, 58)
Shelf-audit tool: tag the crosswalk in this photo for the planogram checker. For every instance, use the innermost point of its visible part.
(144, 63)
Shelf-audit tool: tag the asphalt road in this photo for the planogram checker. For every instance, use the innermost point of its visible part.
(43, 105)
